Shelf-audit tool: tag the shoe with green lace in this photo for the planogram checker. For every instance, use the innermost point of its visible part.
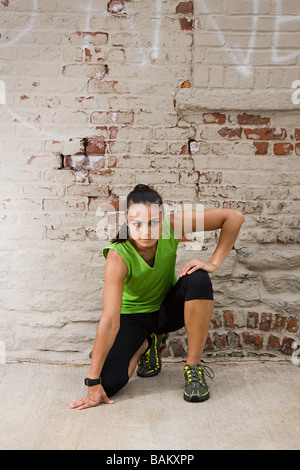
(149, 363)
(196, 388)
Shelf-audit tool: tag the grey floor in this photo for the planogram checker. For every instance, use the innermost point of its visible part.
(253, 405)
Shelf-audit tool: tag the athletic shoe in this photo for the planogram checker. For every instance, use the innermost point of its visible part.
(196, 388)
(149, 363)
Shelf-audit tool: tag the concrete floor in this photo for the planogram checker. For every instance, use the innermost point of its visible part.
(253, 405)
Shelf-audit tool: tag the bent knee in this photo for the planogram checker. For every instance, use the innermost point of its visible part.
(198, 285)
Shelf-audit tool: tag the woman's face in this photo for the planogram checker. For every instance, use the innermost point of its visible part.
(145, 224)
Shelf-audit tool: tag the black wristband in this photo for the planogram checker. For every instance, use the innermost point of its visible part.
(92, 382)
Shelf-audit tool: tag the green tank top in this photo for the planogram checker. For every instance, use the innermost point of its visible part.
(144, 286)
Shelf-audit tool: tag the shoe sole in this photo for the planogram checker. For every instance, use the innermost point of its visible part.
(196, 398)
(155, 371)
(151, 374)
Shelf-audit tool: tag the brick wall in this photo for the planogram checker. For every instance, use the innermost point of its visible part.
(198, 99)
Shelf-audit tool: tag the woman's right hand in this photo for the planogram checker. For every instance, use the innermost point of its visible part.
(96, 394)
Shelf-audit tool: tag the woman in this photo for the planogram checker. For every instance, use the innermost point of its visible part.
(143, 299)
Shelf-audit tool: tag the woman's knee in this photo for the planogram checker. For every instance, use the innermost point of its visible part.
(114, 383)
(198, 285)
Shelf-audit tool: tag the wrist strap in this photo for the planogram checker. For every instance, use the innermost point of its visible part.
(91, 382)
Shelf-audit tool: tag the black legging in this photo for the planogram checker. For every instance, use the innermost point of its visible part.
(135, 327)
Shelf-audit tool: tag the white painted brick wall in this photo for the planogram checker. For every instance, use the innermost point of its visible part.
(180, 95)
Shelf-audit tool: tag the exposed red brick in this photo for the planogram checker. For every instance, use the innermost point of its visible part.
(111, 161)
(115, 6)
(185, 24)
(214, 118)
(165, 352)
(96, 85)
(96, 146)
(74, 162)
(31, 160)
(103, 36)
(24, 97)
(265, 133)
(283, 149)
(177, 347)
(5, 3)
(279, 323)
(113, 131)
(248, 337)
(216, 322)
(292, 325)
(252, 119)
(220, 341)
(228, 319)
(286, 346)
(209, 344)
(101, 173)
(252, 320)
(265, 321)
(186, 85)
(87, 53)
(185, 150)
(297, 134)
(255, 340)
(261, 148)
(297, 149)
(185, 7)
(230, 133)
(273, 343)
(258, 341)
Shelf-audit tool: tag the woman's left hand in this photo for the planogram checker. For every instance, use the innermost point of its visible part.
(195, 264)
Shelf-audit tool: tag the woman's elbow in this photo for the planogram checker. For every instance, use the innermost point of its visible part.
(110, 323)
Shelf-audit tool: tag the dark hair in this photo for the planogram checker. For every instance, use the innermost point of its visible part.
(144, 194)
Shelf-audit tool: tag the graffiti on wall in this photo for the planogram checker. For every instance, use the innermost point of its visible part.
(240, 57)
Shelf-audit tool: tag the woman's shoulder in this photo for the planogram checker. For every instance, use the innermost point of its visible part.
(116, 257)
(121, 248)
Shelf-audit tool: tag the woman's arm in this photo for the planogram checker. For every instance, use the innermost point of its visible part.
(228, 220)
(115, 273)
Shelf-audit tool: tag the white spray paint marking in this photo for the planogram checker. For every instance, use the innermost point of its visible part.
(241, 61)
(88, 9)
(144, 59)
(279, 21)
(2, 353)
(156, 42)
(2, 92)
(26, 30)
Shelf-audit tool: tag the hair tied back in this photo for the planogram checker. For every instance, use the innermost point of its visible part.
(141, 187)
